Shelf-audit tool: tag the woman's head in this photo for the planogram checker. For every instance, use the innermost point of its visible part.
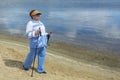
(35, 14)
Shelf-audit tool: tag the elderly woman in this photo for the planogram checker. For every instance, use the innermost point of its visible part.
(35, 31)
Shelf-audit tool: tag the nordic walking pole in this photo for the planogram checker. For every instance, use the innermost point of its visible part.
(35, 56)
(34, 61)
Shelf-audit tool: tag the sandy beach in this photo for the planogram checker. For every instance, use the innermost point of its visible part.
(59, 64)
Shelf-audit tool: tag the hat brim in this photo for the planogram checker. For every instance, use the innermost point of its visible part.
(38, 14)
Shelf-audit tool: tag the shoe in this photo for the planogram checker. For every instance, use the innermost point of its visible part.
(25, 68)
(44, 72)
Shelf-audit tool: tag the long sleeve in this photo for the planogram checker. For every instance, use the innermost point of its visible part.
(29, 30)
(45, 33)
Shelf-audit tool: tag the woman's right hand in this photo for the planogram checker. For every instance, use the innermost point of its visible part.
(37, 32)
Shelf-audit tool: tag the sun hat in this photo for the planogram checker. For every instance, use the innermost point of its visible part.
(34, 12)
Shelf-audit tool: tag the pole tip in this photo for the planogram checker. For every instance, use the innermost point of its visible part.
(31, 75)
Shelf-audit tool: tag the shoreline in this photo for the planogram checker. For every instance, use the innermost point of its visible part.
(101, 58)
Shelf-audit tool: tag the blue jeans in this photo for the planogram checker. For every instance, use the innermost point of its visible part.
(41, 52)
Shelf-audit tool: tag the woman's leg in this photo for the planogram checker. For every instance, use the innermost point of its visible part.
(29, 59)
(41, 58)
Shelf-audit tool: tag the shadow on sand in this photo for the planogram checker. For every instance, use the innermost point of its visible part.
(13, 63)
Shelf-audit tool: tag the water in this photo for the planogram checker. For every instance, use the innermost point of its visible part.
(87, 23)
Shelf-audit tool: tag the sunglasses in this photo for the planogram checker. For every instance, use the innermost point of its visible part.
(37, 15)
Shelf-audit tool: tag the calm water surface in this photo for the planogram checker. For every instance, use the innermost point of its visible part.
(87, 23)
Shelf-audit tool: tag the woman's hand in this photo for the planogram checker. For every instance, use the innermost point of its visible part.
(37, 32)
(49, 35)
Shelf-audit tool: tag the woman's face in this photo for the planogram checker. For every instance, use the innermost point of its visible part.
(36, 17)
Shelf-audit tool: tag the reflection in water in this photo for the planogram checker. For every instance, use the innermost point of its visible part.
(104, 23)
(93, 23)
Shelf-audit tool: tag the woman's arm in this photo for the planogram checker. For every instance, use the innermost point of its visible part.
(29, 30)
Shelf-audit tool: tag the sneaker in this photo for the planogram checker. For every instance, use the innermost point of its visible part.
(25, 68)
(44, 72)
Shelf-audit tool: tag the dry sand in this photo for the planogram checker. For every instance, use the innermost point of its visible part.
(12, 56)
